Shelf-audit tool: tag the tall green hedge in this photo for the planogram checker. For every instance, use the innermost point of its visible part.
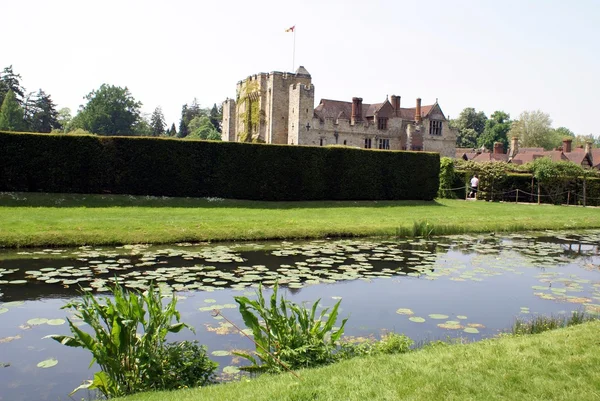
(170, 167)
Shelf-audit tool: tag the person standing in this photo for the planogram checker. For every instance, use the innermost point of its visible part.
(474, 186)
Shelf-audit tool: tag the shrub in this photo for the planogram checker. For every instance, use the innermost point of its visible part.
(389, 344)
(174, 167)
(539, 324)
(130, 360)
(289, 334)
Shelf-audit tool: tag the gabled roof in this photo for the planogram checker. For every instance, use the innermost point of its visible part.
(490, 157)
(328, 108)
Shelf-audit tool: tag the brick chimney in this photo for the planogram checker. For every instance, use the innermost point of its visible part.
(356, 110)
(514, 147)
(418, 111)
(567, 145)
(588, 148)
(396, 104)
(498, 148)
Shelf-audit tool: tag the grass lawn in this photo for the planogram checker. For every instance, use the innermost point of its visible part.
(34, 219)
(556, 365)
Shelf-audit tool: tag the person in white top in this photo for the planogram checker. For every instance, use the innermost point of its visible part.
(474, 185)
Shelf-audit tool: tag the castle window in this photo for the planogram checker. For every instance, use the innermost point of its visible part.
(435, 128)
(344, 141)
(367, 143)
(384, 144)
(382, 123)
(320, 141)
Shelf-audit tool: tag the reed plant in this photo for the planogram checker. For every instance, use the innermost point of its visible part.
(287, 335)
(541, 323)
(129, 343)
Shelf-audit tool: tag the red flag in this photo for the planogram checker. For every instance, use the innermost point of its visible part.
(291, 29)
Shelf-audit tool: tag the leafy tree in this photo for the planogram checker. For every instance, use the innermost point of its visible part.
(64, 117)
(554, 177)
(470, 124)
(157, 122)
(564, 132)
(202, 128)
(496, 130)
(533, 128)
(188, 113)
(216, 116)
(173, 131)
(10, 81)
(11, 114)
(41, 114)
(143, 127)
(110, 110)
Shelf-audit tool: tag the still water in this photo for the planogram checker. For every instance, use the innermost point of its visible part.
(471, 287)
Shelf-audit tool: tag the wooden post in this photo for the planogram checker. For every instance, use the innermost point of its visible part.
(584, 191)
(568, 197)
(517, 201)
(539, 192)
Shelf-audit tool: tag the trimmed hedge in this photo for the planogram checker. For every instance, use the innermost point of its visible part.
(171, 167)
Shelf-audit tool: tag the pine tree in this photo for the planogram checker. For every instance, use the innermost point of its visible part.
(157, 122)
(40, 113)
(10, 81)
(11, 114)
(173, 130)
(215, 117)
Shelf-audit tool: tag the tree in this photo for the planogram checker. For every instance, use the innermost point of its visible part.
(533, 128)
(110, 110)
(188, 113)
(41, 114)
(10, 81)
(496, 130)
(470, 124)
(202, 128)
(216, 116)
(143, 127)
(172, 131)
(64, 117)
(11, 114)
(157, 122)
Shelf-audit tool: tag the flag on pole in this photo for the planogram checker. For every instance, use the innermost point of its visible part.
(291, 29)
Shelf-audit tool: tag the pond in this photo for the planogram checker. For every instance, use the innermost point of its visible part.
(459, 286)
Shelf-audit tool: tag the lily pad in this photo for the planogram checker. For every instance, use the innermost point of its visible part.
(416, 319)
(210, 301)
(48, 363)
(448, 326)
(220, 353)
(37, 321)
(461, 317)
(438, 316)
(3, 310)
(18, 282)
(471, 330)
(405, 311)
(231, 370)
(56, 322)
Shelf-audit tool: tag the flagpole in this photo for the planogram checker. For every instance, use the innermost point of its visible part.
(294, 51)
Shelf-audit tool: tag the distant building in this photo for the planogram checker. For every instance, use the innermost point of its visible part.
(278, 108)
(586, 157)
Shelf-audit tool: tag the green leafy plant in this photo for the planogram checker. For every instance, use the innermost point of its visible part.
(390, 343)
(289, 334)
(542, 323)
(129, 341)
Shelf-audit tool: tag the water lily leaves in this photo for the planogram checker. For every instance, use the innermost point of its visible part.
(18, 282)
(210, 301)
(48, 363)
(449, 326)
(476, 325)
(56, 322)
(438, 316)
(461, 317)
(9, 339)
(37, 321)
(3, 310)
(220, 353)
(405, 311)
(416, 319)
(231, 370)
(471, 330)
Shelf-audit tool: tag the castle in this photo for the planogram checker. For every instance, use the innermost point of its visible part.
(278, 108)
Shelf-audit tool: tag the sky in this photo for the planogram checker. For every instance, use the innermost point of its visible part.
(510, 55)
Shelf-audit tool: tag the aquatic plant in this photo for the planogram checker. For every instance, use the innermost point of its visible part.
(539, 324)
(129, 343)
(289, 334)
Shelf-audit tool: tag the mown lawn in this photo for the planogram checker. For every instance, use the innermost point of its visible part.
(33, 219)
(556, 365)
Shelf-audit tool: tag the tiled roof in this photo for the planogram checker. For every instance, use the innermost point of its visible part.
(490, 157)
(531, 150)
(328, 108)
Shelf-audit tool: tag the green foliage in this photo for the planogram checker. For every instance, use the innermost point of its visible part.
(293, 334)
(492, 177)
(169, 167)
(157, 122)
(470, 124)
(447, 178)
(129, 342)
(9, 81)
(389, 344)
(496, 130)
(533, 128)
(110, 110)
(202, 128)
(539, 324)
(11, 114)
(555, 177)
(41, 114)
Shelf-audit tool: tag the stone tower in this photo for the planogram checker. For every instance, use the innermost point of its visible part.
(260, 112)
